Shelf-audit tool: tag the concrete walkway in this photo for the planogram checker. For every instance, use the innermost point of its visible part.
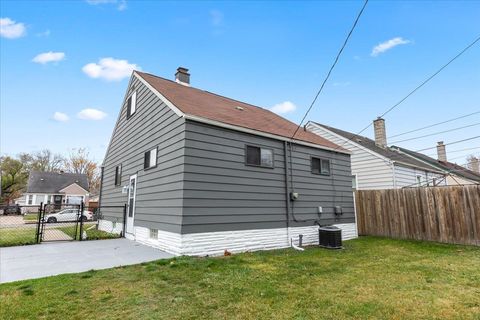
(48, 259)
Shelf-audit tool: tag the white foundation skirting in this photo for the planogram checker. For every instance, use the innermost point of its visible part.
(215, 243)
(109, 226)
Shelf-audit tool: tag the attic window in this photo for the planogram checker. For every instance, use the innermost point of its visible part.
(131, 104)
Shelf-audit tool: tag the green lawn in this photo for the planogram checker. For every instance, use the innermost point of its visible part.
(92, 233)
(372, 278)
(31, 217)
(17, 236)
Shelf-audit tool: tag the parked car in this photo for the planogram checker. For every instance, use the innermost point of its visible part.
(14, 209)
(68, 215)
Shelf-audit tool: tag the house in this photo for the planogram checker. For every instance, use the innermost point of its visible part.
(455, 174)
(203, 173)
(375, 165)
(57, 188)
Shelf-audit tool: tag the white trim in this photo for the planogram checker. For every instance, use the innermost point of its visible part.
(132, 177)
(260, 133)
(215, 243)
(159, 95)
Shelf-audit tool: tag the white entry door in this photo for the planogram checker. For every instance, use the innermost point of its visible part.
(132, 191)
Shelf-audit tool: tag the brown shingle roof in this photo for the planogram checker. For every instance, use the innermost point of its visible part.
(204, 104)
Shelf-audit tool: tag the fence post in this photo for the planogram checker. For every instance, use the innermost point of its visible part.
(39, 221)
(81, 222)
(124, 220)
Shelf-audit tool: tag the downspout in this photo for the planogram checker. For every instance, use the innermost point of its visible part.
(287, 192)
(394, 175)
(101, 186)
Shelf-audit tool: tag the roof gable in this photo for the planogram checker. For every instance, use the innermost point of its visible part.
(53, 182)
(389, 152)
(218, 109)
(450, 167)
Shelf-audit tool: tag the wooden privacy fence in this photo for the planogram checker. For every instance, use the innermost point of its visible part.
(443, 214)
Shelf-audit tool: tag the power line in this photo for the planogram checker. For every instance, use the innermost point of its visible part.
(435, 133)
(433, 125)
(331, 68)
(447, 144)
(454, 151)
(416, 88)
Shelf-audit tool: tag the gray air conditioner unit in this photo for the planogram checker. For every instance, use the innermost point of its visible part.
(330, 237)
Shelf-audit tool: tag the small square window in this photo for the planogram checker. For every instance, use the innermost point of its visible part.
(150, 159)
(154, 234)
(118, 175)
(320, 166)
(131, 104)
(261, 157)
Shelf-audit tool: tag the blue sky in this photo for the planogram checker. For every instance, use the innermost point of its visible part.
(73, 57)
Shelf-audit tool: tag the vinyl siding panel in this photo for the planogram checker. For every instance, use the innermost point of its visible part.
(159, 197)
(407, 176)
(222, 193)
(372, 171)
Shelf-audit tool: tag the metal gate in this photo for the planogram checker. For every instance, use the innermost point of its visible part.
(60, 222)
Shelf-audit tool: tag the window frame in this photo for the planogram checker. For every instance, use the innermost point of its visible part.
(132, 99)
(149, 155)
(118, 175)
(259, 165)
(320, 173)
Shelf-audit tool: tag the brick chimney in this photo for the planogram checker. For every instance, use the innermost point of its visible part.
(441, 152)
(182, 76)
(475, 164)
(380, 132)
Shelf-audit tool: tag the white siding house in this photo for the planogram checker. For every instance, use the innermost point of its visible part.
(377, 166)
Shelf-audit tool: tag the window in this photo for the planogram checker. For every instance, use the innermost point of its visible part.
(257, 156)
(154, 234)
(29, 199)
(150, 160)
(320, 166)
(118, 175)
(131, 104)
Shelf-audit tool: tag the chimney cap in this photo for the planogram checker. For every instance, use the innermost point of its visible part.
(440, 143)
(182, 70)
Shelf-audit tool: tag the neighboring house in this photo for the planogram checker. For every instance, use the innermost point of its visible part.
(55, 188)
(377, 166)
(203, 173)
(455, 174)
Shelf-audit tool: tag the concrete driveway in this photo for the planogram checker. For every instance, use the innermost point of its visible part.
(49, 259)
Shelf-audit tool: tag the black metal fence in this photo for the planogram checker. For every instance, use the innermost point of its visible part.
(23, 225)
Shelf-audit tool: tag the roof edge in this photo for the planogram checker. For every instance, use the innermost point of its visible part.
(263, 134)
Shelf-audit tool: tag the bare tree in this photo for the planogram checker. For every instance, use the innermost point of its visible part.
(43, 160)
(78, 161)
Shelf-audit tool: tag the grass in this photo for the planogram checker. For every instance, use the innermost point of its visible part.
(17, 236)
(92, 233)
(30, 217)
(372, 278)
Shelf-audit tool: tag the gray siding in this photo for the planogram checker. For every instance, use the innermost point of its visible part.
(159, 189)
(222, 193)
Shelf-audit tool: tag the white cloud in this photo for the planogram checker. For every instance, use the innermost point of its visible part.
(284, 107)
(11, 29)
(50, 56)
(121, 4)
(387, 45)
(110, 69)
(60, 116)
(91, 114)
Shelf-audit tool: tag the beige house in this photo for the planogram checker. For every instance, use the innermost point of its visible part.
(55, 188)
